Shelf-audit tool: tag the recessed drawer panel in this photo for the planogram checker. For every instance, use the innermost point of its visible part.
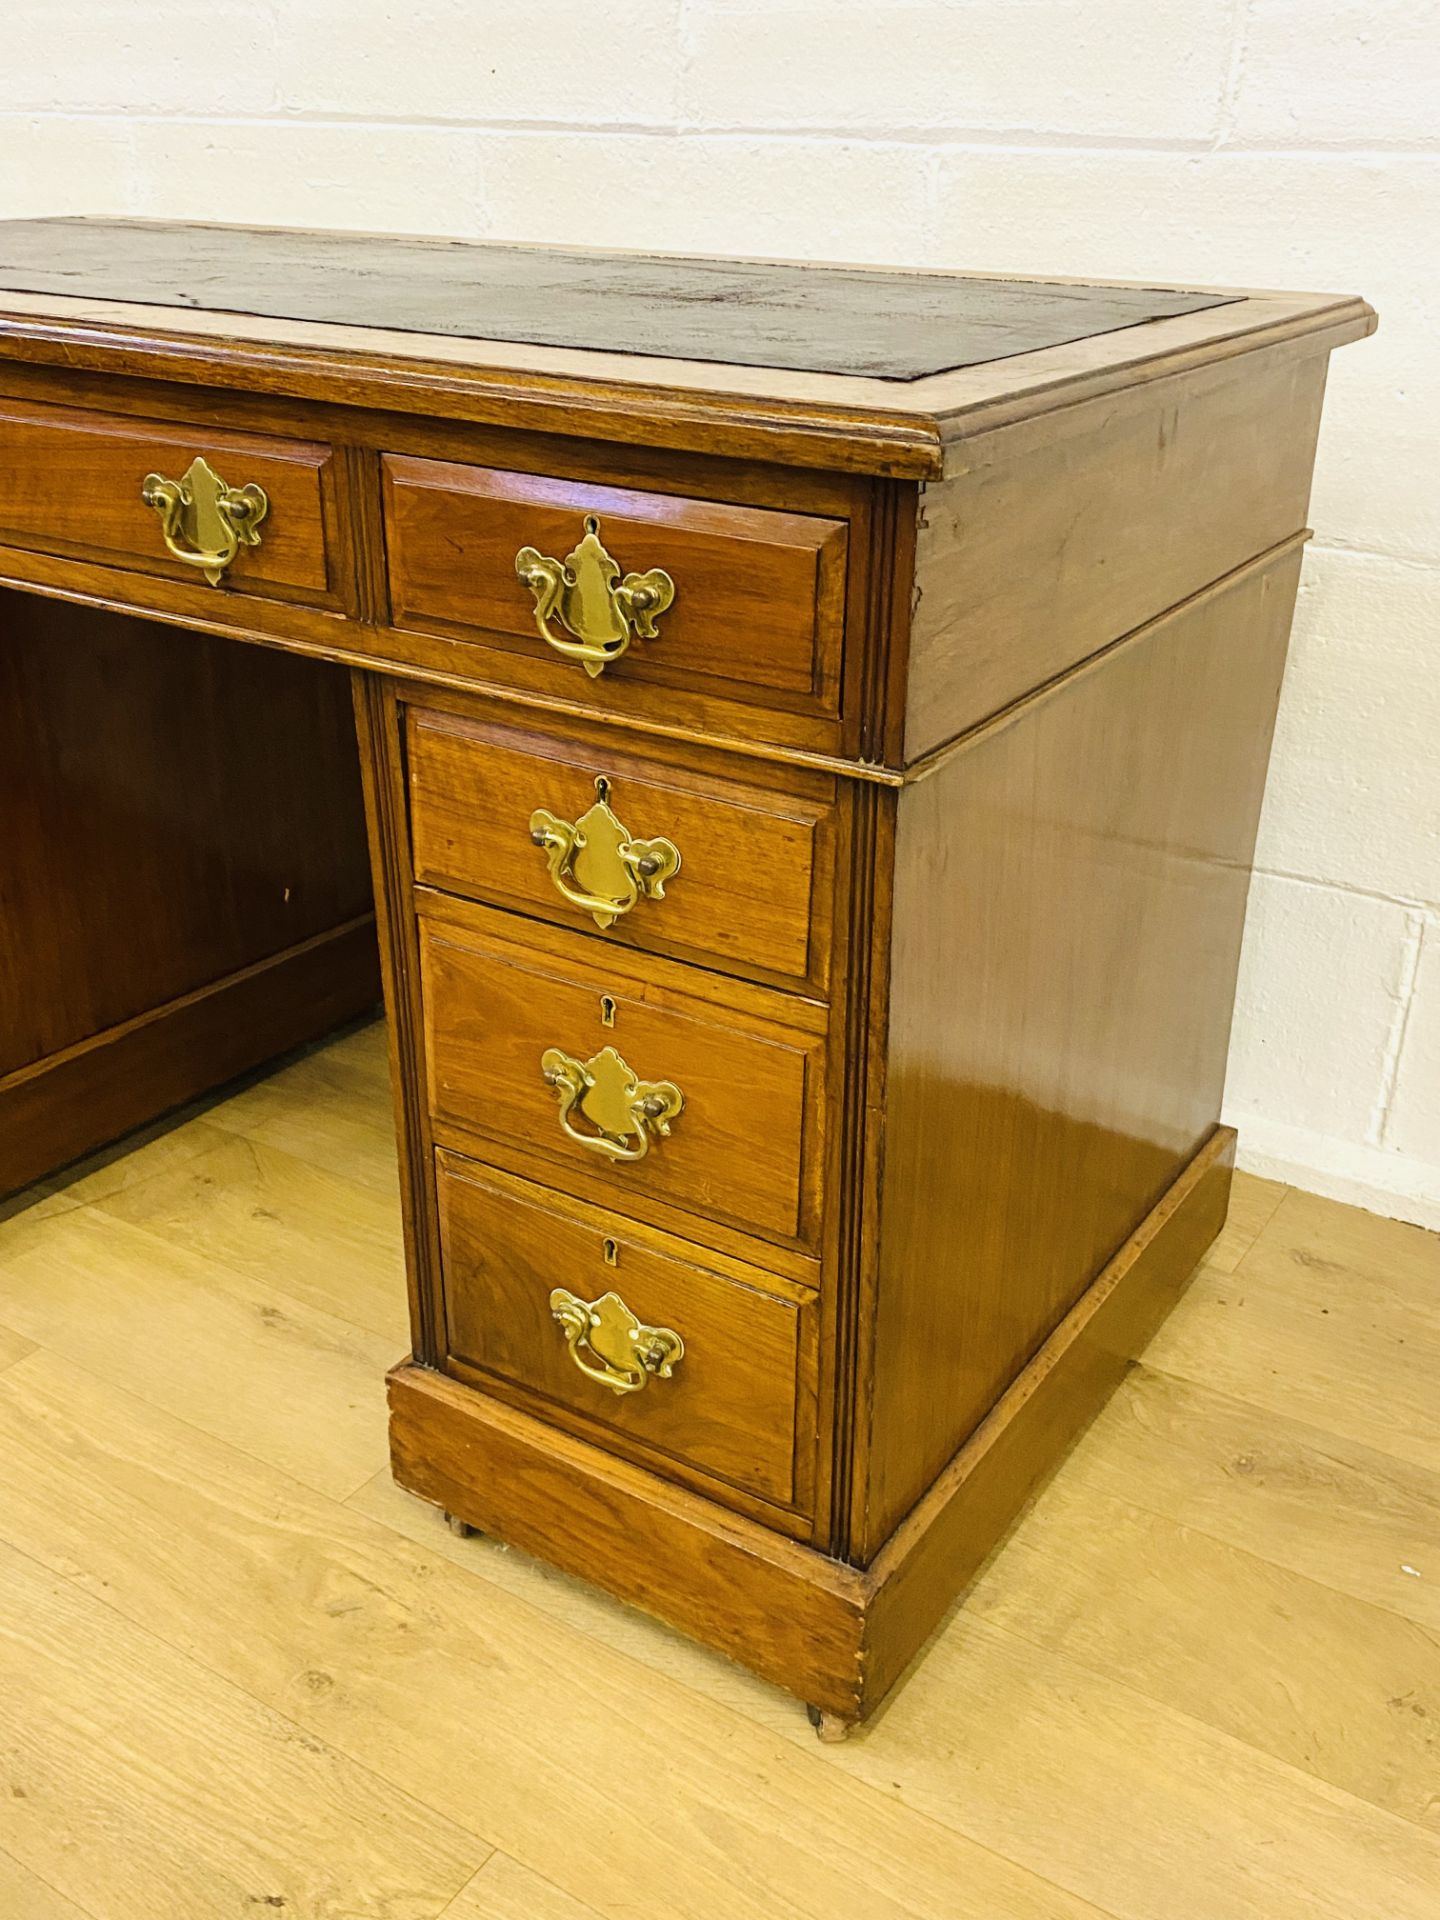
(72, 484)
(631, 586)
(638, 1337)
(670, 1086)
(633, 850)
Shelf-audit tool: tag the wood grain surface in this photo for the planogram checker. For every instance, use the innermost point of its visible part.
(1069, 899)
(346, 1633)
(229, 1843)
(789, 1614)
(747, 1147)
(740, 1402)
(318, 1422)
(1278, 1345)
(759, 595)
(504, 1890)
(70, 483)
(754, 890)
(1049, 547)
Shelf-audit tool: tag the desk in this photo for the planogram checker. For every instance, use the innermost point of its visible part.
(811, 726)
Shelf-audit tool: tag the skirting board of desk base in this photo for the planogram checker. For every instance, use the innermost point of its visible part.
(838, 1637)
(73, 1102)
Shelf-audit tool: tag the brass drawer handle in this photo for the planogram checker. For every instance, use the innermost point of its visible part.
(611, 1346)
(602, 611)
(204, 522)
(624, 1108)
(595, 864)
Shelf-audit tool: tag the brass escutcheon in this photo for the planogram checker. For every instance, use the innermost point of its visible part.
(601, 611)
(204, 522)
(611, 1346)
(597, 866)
(627, 1112)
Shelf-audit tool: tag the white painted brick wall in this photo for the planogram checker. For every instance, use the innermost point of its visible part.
(1289, 143)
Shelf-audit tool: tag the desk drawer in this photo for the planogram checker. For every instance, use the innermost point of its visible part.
(758, 595)
(667, 1089)
(70, 485)
(752, 889)
(519, 1272)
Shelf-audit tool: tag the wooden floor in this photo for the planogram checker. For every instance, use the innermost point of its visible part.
(242, 1675)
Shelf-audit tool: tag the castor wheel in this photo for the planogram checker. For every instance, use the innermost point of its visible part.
(829, 1726)
(461, 1528)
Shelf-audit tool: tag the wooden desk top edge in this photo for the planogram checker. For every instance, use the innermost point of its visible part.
(903, 429)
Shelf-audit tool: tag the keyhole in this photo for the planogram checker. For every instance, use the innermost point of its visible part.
(612, 1253)
(602, 789)
(607, 1010)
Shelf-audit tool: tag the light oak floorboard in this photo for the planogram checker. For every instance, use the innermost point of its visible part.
(504, 1890)
(621, 1787)
(1253, 1203)
(330, 1108)
(140, 1157)
(145, 1788)
(578, 1606)
(1363, 1735)
(1340, 1689)
(1345, 1515)
(1193, 1683)
(1331, 1317)
(363, 1055)
(355, 1067)
(23, 1896)
(1133, 1804)
(330, 1242)
(256, 1366)
(13, 1347)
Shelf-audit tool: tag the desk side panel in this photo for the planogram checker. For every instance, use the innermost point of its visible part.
(1065, 534)
(1070, 894)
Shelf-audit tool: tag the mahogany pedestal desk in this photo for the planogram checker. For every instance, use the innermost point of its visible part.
(812, 725)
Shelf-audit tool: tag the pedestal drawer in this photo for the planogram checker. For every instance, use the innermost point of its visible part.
(630, 588)
(639, 1338)
(71, 484)
(669, 1088)
(726, 871)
